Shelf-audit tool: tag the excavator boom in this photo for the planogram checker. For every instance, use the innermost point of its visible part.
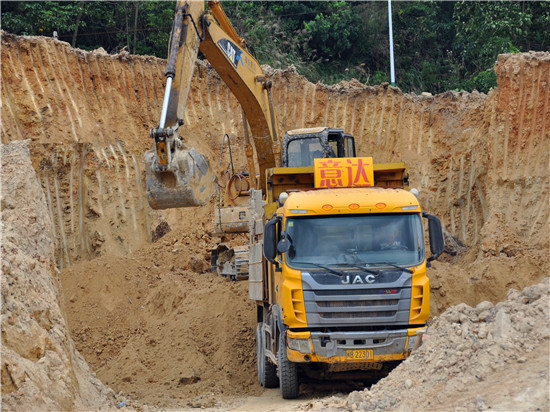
(244, 77)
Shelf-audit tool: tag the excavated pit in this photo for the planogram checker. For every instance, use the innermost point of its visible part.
(149, 318)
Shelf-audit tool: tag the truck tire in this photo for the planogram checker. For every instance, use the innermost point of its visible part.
(288, 372)
(267, 371)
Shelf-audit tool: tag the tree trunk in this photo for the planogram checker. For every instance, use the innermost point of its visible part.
(75, 33)
(135, 25)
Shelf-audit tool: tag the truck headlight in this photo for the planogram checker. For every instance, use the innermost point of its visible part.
(300, 345)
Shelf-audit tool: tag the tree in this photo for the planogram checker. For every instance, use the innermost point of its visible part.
(333, 35)
(486, 29)
(438, 45)
(32, 18)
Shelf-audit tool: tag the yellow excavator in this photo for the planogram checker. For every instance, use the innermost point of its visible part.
(337, 260)
(178, 176)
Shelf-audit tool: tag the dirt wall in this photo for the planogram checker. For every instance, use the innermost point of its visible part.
(41, 370)
(480, 162)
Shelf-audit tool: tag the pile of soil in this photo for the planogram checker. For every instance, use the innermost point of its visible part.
(160, 327)
(473, 358)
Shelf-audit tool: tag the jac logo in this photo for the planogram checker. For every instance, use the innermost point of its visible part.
(232, 52)
(358, 279)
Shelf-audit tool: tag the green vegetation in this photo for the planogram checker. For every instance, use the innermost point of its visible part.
(438, 46)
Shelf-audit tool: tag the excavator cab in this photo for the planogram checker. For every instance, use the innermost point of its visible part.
(302, 146)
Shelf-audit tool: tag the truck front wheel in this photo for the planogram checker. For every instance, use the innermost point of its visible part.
(267, 371)
(288, 372)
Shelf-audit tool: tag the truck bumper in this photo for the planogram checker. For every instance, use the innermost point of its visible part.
(353, 347)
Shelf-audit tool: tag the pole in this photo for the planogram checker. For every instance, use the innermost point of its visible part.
(392, 67)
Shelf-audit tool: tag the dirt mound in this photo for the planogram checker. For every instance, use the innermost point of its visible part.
(41, 370)
(468, 358)
(158, 326)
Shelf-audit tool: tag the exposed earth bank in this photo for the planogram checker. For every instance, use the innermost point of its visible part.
(41, 370)
(153, 323)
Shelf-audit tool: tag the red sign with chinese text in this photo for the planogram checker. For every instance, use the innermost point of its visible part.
(344, 172)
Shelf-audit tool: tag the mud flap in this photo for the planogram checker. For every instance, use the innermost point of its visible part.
(186, 182)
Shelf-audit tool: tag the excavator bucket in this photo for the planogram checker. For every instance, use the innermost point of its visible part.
(186, 182)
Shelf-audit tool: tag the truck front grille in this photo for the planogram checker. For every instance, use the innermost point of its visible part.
(355, 315)
(357, 303)
(332, 303)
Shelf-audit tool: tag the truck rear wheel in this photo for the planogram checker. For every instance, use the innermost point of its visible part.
(267, 371)
(288, 372)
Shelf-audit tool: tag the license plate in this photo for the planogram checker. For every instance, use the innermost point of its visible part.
(359, 354)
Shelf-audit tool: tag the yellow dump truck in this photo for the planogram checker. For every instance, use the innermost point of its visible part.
(342, 291)
(336, 260)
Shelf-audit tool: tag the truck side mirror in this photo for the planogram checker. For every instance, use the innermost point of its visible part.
(284, 243)
(437, 242)
(271, 230)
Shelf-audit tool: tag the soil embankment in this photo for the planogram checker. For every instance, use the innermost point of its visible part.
(41, 370)
(473, 358)
(150, 319)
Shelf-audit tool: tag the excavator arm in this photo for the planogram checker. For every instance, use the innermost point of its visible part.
(184, 45)
(178, 176)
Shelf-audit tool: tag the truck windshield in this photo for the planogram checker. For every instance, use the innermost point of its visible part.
(301, 152)
(338, 241)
